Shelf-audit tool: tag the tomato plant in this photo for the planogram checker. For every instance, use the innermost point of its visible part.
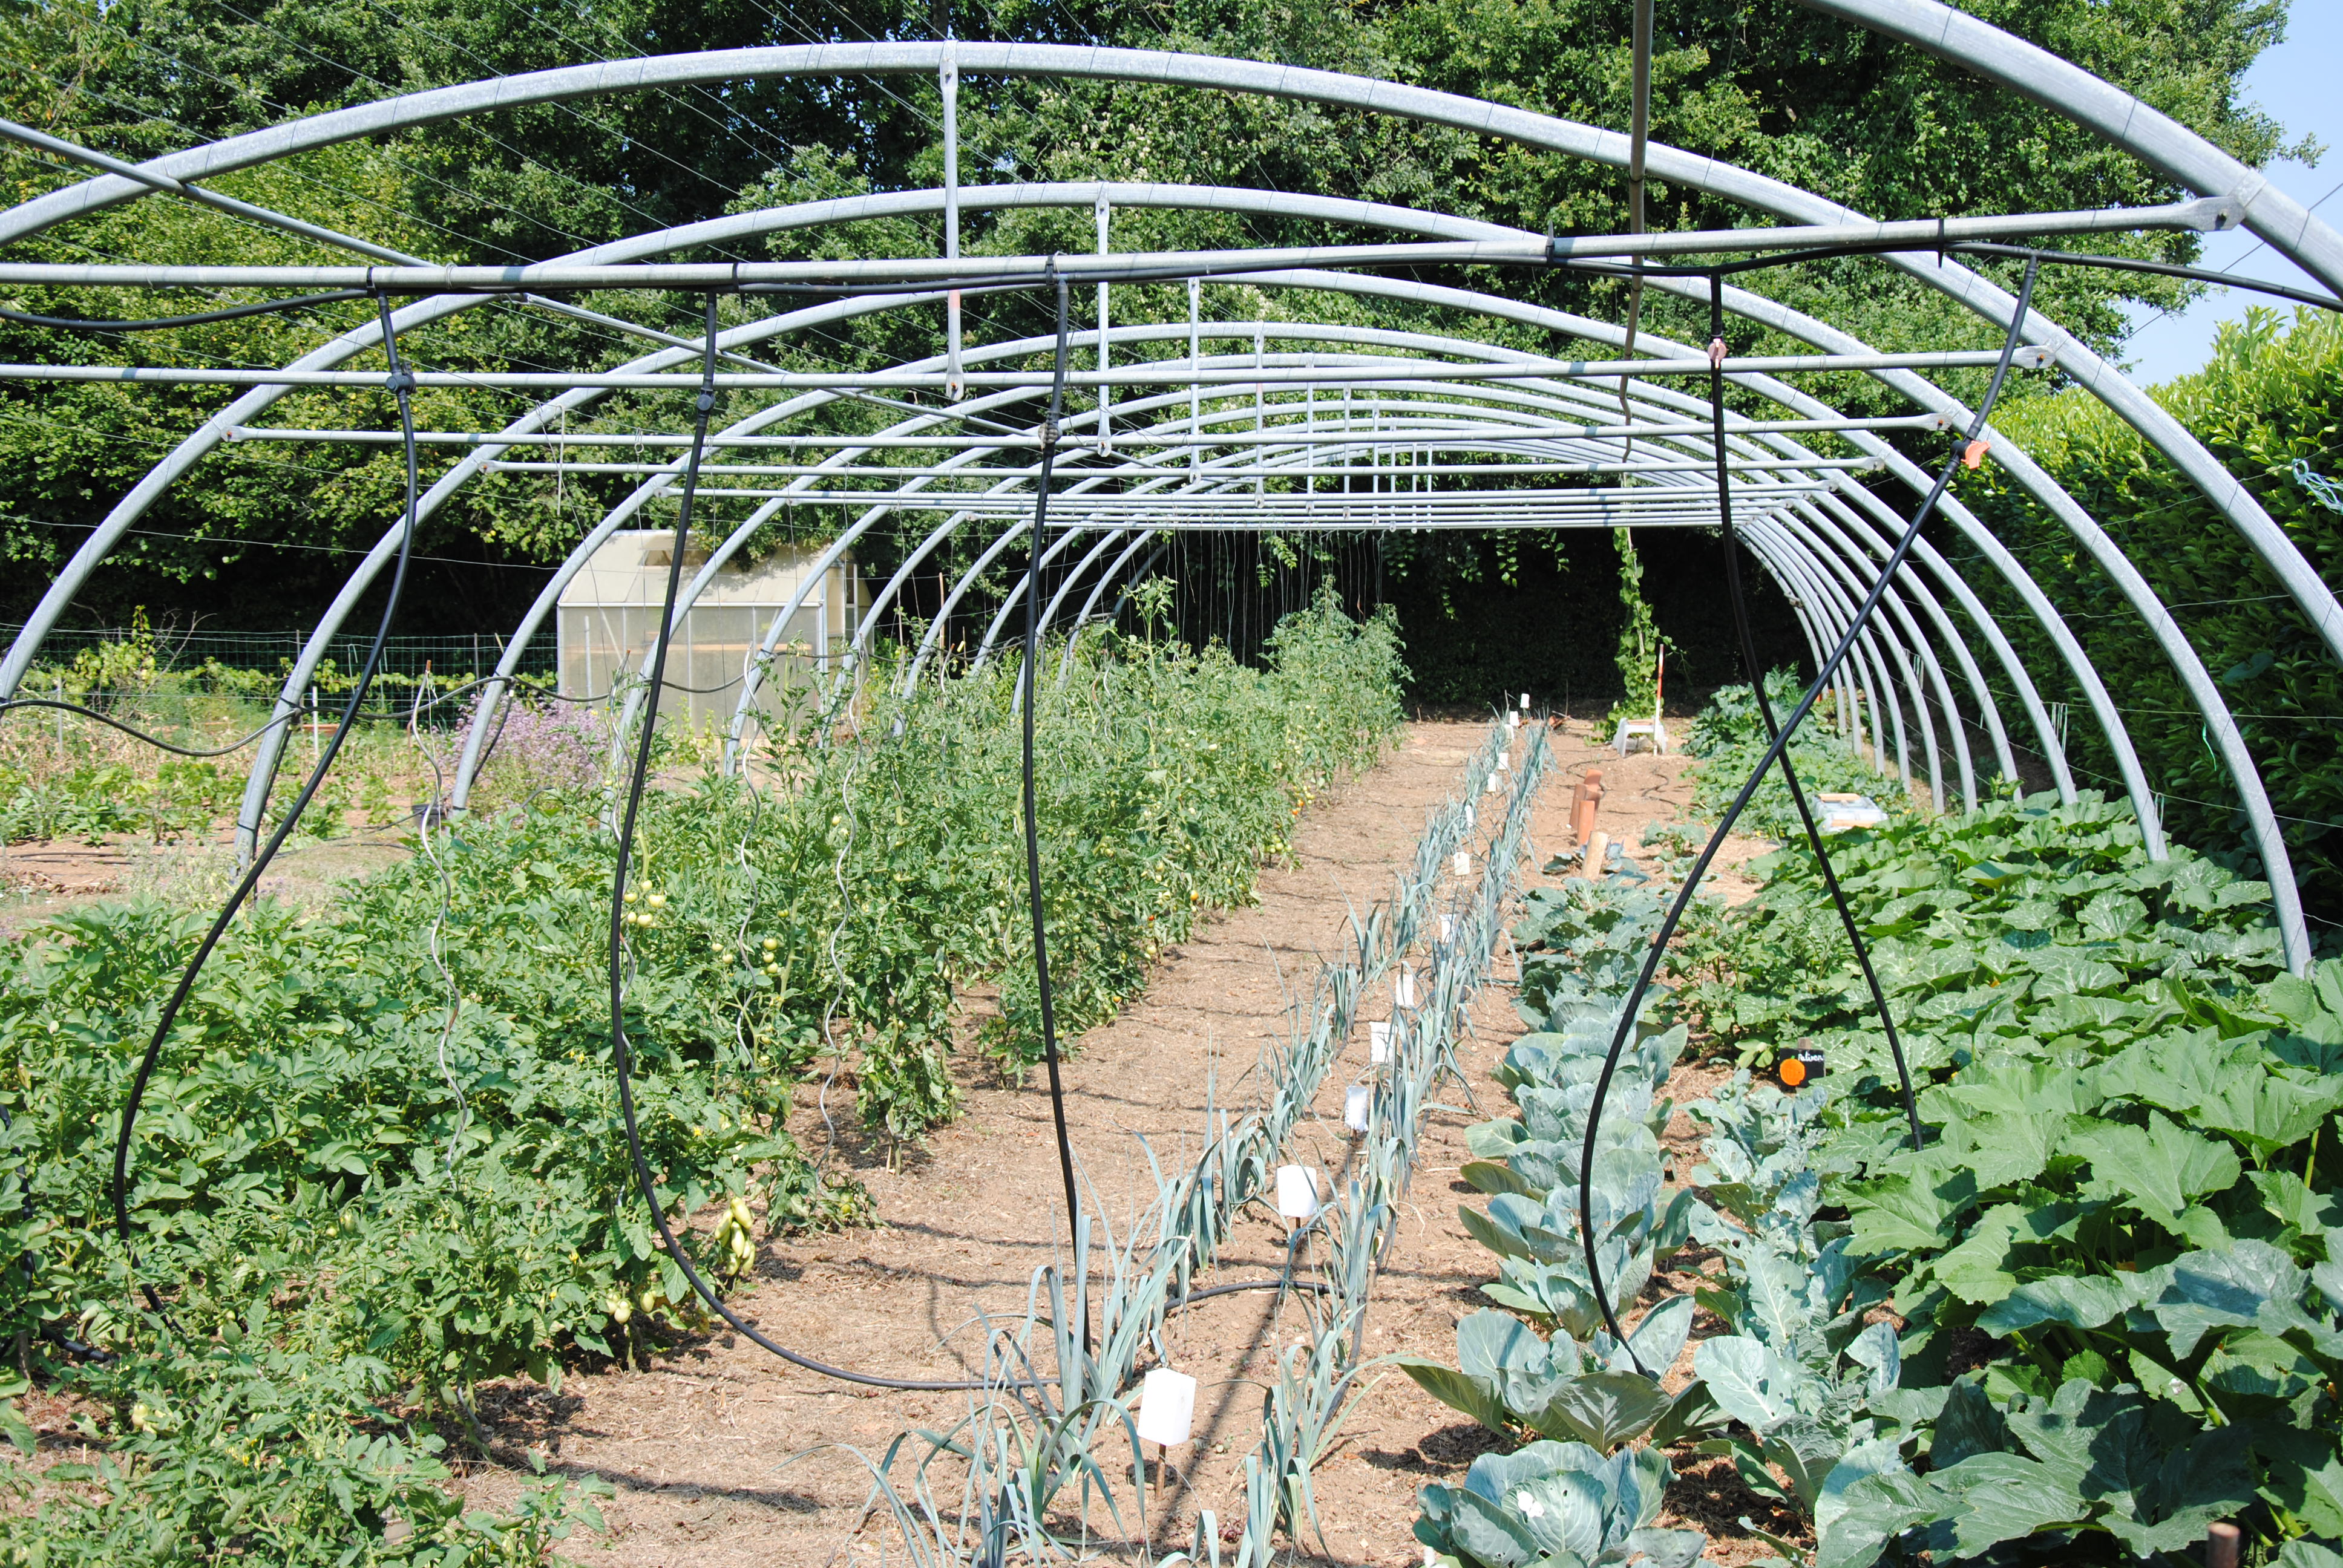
(381, 1157)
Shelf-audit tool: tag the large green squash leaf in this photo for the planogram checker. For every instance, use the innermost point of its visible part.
(2160, 1167)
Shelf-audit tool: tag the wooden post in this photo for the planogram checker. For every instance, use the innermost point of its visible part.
(1584, 804)
(2221, 1542)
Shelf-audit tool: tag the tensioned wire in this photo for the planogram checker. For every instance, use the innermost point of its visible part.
(401, 384)
(1633, 1004)
(1755, 670)
(505, 208)
(572, 109)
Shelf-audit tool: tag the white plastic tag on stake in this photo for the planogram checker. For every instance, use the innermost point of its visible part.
(1512, 721)
(1358, 1107)
(1489, 784)
(1448, 928)
(1468, 816)
(1504, 762)
(1462, 864)
(1379, 1042)
(1404, 988)
(1525, 702)
(1167, 1407)
(1297, 1192)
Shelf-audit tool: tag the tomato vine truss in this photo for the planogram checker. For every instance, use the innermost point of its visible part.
(1233, 424)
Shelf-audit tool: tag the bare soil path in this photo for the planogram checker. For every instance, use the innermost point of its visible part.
(702, 1447)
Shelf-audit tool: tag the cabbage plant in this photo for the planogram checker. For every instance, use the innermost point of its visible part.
(1507, 1378)
(1556, 1505)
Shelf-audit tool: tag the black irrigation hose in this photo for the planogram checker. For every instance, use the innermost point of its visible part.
(160, 323)
(1773, 752)
(1976, 247)
(401, 383)
(1756, 674)
(1026, 683)
(443, 698)
(621, 1056)
(155, 740)
(2154, 268)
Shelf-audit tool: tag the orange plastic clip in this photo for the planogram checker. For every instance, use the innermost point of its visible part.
(1973, 453)
(1716, 354)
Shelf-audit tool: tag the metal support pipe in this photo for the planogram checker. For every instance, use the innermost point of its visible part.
(2209, 214)
(1836, 612)
(948, 79)
(1104, 212)
(1218, 73)
(1919, 656)
(2166, 146)
(1274, 372)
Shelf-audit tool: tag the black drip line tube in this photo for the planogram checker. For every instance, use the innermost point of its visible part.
(515, 683)
(1629, 268)
(400, 383)
(203, 318)
(1025, 688)
(1776, 750)
(1752, 665)
(620, 1054)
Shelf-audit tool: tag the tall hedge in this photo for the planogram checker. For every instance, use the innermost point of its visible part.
(2272, 395)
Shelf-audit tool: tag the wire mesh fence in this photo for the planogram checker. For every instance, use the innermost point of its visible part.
(271, 652)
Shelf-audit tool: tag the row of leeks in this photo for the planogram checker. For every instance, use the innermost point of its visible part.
(1301, 1412)
(1028, 1445)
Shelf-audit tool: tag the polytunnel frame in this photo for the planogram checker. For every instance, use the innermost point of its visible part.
(654, 486)
(1320, 439)
(2178, 153)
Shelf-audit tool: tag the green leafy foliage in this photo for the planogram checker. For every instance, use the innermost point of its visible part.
(1729, 737)
(2271, 394)
(1802, 1362)
(2026, 927)
(424, 1181)
(2109, 1265)
(284, 1457)
(1557, 1503)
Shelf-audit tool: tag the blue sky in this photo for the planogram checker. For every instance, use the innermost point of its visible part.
(2295, 83)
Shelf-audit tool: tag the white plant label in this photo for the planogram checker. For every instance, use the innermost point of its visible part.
(1379, 1042)
(1525, 702)
(1504, 762)
(1404, 988)
(1297, 1192)
(1468, 817)
(1167, 1407)
(1448, 928)
(1358, 1107)
(1489, 784)
(1462, 864)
